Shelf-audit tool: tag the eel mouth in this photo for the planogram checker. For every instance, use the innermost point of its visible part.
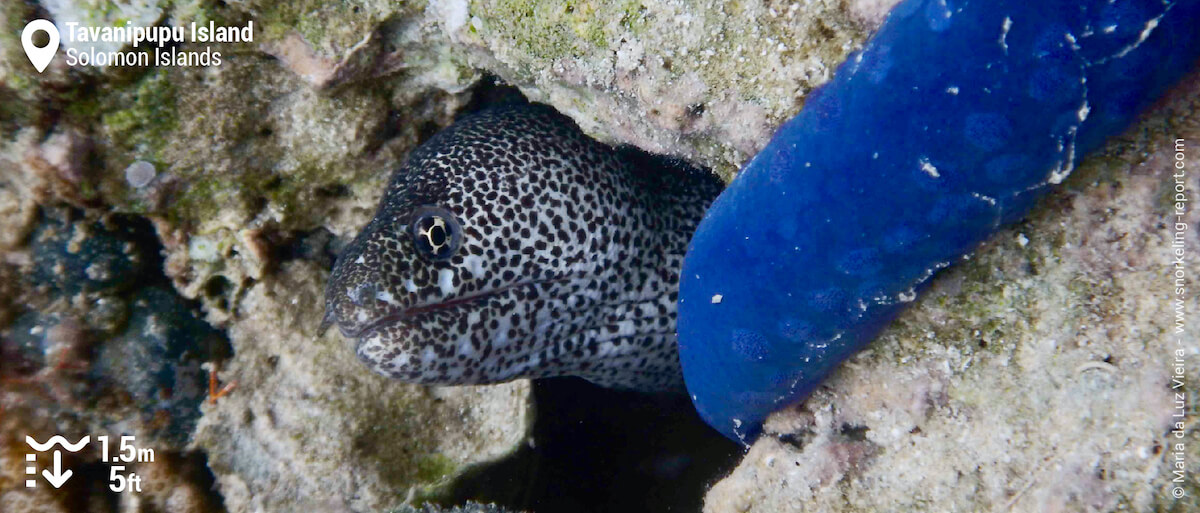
(450, 304)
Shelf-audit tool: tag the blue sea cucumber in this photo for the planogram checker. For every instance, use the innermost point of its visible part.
(952, 120)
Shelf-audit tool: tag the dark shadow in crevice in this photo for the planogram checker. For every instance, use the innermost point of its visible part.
(598, 450)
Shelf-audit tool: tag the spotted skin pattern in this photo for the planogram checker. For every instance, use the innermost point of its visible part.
(568, 262)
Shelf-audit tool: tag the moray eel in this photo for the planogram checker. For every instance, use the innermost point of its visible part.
(955, 117)
(511, 245)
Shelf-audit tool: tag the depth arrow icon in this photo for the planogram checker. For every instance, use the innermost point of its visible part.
(59, 477)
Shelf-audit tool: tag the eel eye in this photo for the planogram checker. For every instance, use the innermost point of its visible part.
(436, 233)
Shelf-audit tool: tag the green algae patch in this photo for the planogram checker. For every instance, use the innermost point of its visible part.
(19, 82)
(434, 467)
(144, 116)
(332, 28)
(551, 30)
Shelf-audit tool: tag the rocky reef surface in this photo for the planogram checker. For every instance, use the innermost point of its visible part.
(160, 223)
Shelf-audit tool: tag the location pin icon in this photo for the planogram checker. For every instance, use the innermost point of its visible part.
(40, 57)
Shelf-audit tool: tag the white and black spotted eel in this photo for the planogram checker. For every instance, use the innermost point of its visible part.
(511, 245)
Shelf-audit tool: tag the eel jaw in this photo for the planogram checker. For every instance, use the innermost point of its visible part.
(403, 315)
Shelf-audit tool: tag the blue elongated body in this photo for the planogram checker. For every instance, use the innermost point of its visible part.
(953, 120)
